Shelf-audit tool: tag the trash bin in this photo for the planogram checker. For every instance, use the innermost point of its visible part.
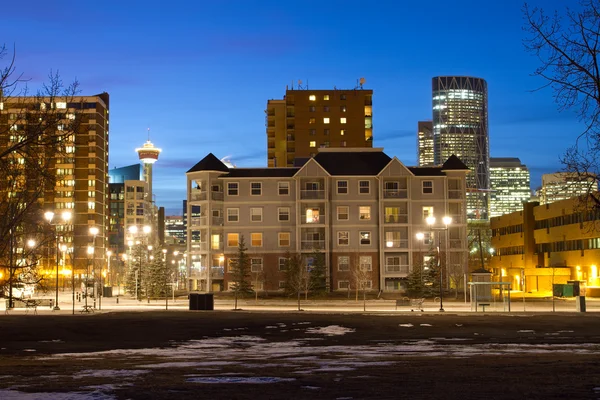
(209, 302)
(107, 291)
(557, 290)
(201, 301)
(580, 303)
(194, 299)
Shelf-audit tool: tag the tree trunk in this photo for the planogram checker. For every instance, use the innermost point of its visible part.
(235, 301)
(364, 300)
(298, 300)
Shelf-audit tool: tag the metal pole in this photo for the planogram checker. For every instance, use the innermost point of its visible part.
(441, 277)
(56, 307)
(72, 279)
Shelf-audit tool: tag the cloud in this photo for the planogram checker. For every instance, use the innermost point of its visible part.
(394, 135)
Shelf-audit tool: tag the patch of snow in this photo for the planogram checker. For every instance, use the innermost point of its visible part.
(8, 394)
(185, 364)
(406, 325)
(29, 350)
(310, 387)
(331, 330)
(51, 341)
(565, 331)
(526, 331)
(239, 379)
(424, 324)
(301, 323)
(109, 373)
(270, 327)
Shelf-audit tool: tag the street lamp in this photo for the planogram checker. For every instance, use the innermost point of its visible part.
(66, 216)
(447, 221)
(94, 232)
(90, 252)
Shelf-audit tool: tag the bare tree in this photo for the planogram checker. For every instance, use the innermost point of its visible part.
(567, 46)
(34, 134)
(297, 276)
(361, 275)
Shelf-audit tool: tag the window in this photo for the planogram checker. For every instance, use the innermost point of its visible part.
(232, 188)
(283, 264)
(256, 239)
(312, 143)
(233, 239)
(326, 109)
(312, 108)
(233, 215)
(397, 263)
(342, 132)
(283, 239)
(312, 97)
(312, 215)
(283, 214)
(312, 121)
(342, 120)
(344, 285)
(342, 187)
(326, 97)
(342, 213)
(343, 238)
(366, 263)
(392, 239)
(343, 143)
(427, 211)
(255, 188)
(343, 263)
(312, 132)
(342, 97)
(364, 212)
(326, 120)
(256, 264)
(427, 187)
(283, 188)
(326, 132)
(231, 264)
(61, 104)
(343, 108)
(363, 187)
(255, 214)
(215, 241)
(365, 238)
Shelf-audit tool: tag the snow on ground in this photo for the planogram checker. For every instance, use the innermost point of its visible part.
(7, 394)
(406, 325)
(109, 373)
(238, 379)
(331, 330)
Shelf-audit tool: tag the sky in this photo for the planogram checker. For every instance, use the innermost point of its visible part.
(199, 73)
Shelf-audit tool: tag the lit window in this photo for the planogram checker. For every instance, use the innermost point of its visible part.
(342, 187)
(232, 189)
(363, 187)
(342, 132)
(326, 97)
(312, 121)
(284, 239)
(343, 263)
(343, 143)
(283, 214)
(312, 97)
(233, 215)
(233, 239)
(427, 187)
(256, 239)
(256, 214)
(215, 241)
(326, 120)
(313, 143)
(312, 216)
(61, 104)
(364, 212)
(284, 188)
(255, 188)
(91, 205)
(427, 211)
(343, 238)
(366, 263)
(342, 120)
(342, 213)
(365, 238)
(283, 266)
(343, 108)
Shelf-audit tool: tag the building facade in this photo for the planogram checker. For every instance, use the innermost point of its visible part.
(546, 244)
(564, 185)
(425, 155)
(358, 206)
(460, 127)
(510, 186)
(80, 167)
(306, 120)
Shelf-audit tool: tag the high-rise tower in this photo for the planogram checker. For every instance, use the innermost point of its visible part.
(425, 143)
(509, 184)
(148, 156)
(460, 127)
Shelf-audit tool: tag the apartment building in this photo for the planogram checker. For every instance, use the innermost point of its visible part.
(547, 243)
(81, 169)
(307, 120)
(357, 206)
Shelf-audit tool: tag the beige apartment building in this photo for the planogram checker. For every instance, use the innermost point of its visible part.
(360, 207)
(545, 244)
(306, 120)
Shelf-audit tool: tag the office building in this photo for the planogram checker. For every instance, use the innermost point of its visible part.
(564, 185)
(175, 231)
(116, 186)
(357, 206)
(79, 165)
(425, 144)
(460, 127)
(509, 184)
(307, 120)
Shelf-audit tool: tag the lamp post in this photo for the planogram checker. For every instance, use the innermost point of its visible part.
(420, 237)
(66, 216)
(447, 221)
(164, 251)
(90, 252)
(94, 232)
(70, 251)
(149, 258)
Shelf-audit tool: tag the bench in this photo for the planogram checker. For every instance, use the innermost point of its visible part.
(87, 309)
(29, 304)
(484, 305)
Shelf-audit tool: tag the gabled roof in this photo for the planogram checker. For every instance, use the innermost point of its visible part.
(209, 163)
(454, 162)
(353, 163)
(261, 173)
(426, 171)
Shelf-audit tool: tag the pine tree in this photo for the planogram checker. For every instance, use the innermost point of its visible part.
(157, 276)
(415, 284)
(241, 276)
(317, 282)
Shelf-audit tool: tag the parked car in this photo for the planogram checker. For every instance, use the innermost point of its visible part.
(21, 290)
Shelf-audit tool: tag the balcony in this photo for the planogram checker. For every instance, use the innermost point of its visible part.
(455, 244)
(199, 246)
(216, 221)
(395, 193)
(396, 244)
(312, 244)
(198, 196)
(310, 194)
(198, 221)
(396, 219)
(291, 138)
(397, 269)
(455, 194)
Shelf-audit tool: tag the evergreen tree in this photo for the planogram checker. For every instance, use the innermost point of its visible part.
(415, 283)
(317, 278)
(158, 275)
(241, 276)
(133, 281)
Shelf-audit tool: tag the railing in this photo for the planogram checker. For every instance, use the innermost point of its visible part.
(455, 243)
(201, 246)
(399, 269)
(216, 196)
(217, 272)
(396, 219)
(199, 196)
(314, 220)
(395, 193)
(312, 194)
(455, 194)
(217, 221)
(312, 244)
(394, 244)
(198, 221)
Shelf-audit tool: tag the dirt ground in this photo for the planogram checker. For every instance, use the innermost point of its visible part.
(273, 355)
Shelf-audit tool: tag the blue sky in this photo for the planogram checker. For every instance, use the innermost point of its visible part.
(199, 73)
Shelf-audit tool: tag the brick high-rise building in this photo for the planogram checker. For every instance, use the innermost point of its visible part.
(306, 120)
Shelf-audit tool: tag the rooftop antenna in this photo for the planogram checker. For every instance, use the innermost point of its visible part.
(299, 83)
(148, 134)
(362, 81)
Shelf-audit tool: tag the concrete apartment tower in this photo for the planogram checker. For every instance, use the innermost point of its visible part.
(306, 120)
(460, 127)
